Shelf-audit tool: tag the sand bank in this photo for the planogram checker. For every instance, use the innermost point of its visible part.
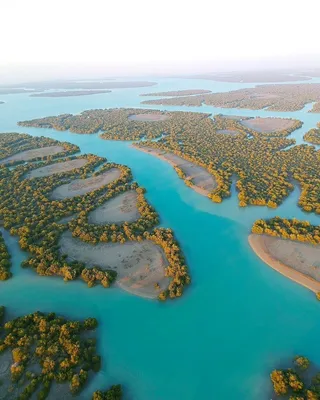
(79, 187)
(148, 117)
(119, 209)
(34, 153)
(57, 168)
(203, 181)
(268, 125)
(70, 93)
(139, 265)
(298, 261)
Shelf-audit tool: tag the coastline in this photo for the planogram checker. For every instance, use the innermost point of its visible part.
(258, 246)
(153, 152)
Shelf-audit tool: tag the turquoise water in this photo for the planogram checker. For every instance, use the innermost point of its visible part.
(237, 321)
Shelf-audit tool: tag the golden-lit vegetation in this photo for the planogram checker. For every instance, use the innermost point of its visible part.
(5, 262)
(285, 97)
(313, 136)
(263, 163)
(295, 382)
(114, 393)
(292, 229)
(48, 349)
(30, 213)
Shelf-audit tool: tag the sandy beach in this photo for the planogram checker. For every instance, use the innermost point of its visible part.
(56, 168)
(79, 187)
(148, 117)
(122, 208)
(139, 265)
(268, 125)
(203, 182)
(298, 261)
(34, 153)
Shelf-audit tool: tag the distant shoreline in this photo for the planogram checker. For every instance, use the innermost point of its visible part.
(258, 246)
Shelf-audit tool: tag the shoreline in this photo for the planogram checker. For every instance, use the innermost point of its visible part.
(258, 246)
(198, 189)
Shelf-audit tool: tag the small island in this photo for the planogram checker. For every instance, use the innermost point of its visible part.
(70, 93)
(291, 247)
(313, 136)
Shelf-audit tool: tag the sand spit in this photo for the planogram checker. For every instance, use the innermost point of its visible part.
(298, 261)
(148, 117)
(139, 265)
(203, 181)
(34, 153)
(268, 125)
(79, 187)
(117, 210)
(227, 132)
(57, 168)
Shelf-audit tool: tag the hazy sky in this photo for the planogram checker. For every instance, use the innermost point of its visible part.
(132, 33)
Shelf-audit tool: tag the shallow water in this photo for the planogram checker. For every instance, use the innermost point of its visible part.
(237, 321)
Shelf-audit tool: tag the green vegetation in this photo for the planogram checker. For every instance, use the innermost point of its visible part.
(295, 382)
(48, 349)
(264, 164)
(292, 229)
(114, 393)
(30, 213)
(313, 136)
(285, 97)
(5, 262)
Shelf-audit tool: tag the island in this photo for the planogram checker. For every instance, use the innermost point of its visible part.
(17, 91)
(5, 262)
(76, 84)
(176, 93)
(277, 97)
(70, 93)
(248, 150)
(313, 136)
(75, 214)
(291, 247)
(46, 355)
(300, 381)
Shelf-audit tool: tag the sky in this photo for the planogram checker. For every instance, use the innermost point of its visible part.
(119, 36)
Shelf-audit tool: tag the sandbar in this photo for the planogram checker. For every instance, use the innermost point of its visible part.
(57, 168)
(148, 117)
(79, 187)
(70, 93)
(122, 208)
(203, 182)
(298, 261)
(268, 125)
(33, 153)
(139, 265)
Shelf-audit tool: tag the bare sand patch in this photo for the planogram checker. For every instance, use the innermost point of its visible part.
(227, 132)
(297, 261)
(122, 208)
(268, 125)
(234, 117)
(203, 181)
(148, 117)
(57, 168)
(139, 265)
(34, 153)
(79, 187)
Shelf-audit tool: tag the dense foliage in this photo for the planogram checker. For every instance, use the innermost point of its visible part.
(313, 136)
(285, 97)
(292, 229)
(265, 165)
(29, 212)
(5, 262)
(114, 393)
(295, 382)
(46, 348)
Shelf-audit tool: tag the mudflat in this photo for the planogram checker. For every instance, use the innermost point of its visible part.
(33, 153)
(57, 168)
(268, 125)
(148, 117)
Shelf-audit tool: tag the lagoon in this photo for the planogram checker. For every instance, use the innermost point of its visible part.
(237, 321)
